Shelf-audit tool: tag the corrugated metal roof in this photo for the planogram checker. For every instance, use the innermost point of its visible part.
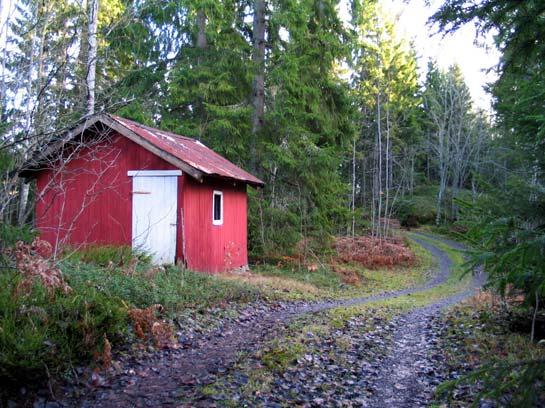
(190, 151)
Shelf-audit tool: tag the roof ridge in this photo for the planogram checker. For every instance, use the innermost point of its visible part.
(186, 153)
(150, 128)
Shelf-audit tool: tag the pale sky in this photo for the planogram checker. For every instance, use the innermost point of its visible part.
(458, 48)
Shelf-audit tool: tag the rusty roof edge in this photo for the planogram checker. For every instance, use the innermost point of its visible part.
(131, 135)
(248, 177)
(30, 165)
(111, 121)
(256, 183)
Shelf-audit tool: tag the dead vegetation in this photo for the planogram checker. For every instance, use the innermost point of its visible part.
(104, 357)
(34, 264)
(148, 325)
(347, 258)
(347, 275)
(374, 253)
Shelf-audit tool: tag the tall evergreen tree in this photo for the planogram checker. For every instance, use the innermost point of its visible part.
(386, 93)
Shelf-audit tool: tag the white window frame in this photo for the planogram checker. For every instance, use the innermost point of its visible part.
(214, 194)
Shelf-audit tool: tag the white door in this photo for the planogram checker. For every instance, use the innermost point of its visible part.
(154, 202)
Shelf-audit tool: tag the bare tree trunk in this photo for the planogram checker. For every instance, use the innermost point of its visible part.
(5, 11)
(442, 176)
(39, 112)
(83, 56)
(353, 185)
(34, 115)
(92, 55)
(411, 182)
(201, 26)
(387, 181)
(24, 189)
(201, 44)
(29, 120)
(258, 59)
(534, 318)
(379, 167)
(363, 187)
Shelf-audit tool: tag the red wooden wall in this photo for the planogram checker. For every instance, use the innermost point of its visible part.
(211, 247)
(90, 202)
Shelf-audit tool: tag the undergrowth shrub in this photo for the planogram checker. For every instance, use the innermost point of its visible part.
(54, 315)
(405, 210)
(148, 325)
(373, 253)
(34, 264)
(10, 235)
(43, 333)
(109, 255)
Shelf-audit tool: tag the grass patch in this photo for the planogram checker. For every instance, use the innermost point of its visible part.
(298, 283)
(281, 354)
(174, 288)
(108, 255)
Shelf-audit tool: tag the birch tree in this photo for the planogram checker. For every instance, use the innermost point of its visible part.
(90, 78)
(455, 134)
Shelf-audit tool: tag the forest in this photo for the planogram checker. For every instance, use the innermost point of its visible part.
(324, 101)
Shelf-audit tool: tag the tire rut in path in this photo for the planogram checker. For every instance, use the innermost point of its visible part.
(159, 379)
(408, 375)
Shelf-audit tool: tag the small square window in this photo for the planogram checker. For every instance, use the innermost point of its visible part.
(217, 208)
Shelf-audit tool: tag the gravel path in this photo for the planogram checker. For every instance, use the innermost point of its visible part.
(409, 375)
(160, 378)
(414, 367)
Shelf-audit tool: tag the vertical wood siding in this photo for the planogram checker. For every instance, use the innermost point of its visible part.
(90, 202)
(209, 247)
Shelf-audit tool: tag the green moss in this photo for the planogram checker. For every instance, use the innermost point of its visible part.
(209, 390)
(280, 356)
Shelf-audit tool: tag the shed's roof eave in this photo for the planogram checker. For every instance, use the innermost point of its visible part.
(187, 154)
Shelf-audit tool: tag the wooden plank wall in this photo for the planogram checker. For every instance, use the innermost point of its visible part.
(90, 202)
(209, 247)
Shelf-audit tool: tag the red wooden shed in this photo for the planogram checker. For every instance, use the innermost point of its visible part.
(115, 181)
